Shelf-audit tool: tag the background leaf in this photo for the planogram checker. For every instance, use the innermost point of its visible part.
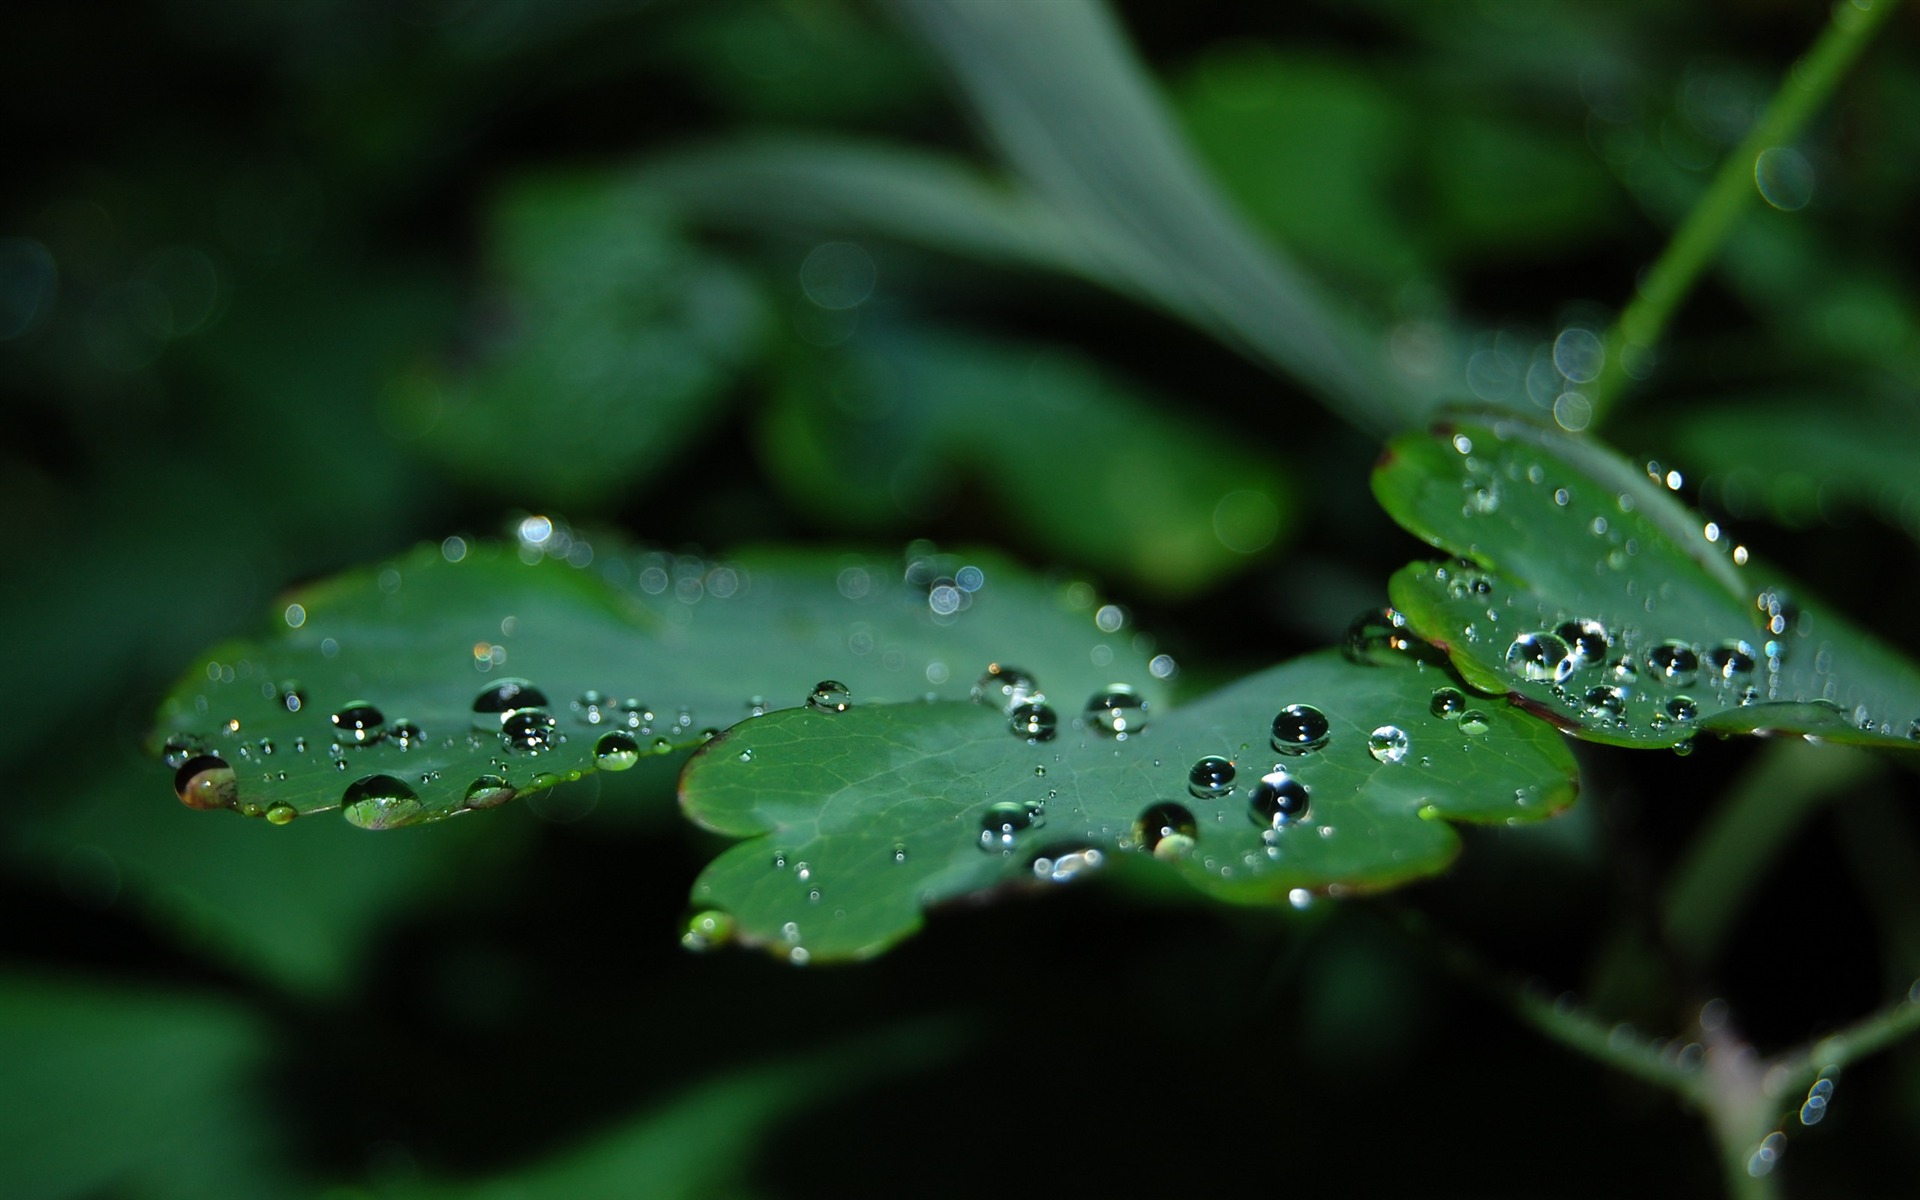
(859, 820)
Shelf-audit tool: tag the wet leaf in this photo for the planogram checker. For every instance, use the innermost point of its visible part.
(856, 822)
(461, 675)
(1587, 590)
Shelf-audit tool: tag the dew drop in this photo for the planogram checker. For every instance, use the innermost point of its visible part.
(1447, 703)
(405, 734)
(528, 729)
(1474, 722)
(707, 930)
(662, 745)
(616, 751)
(281, 813)
(1210, 778)
(1682, 708)
(1537, 657)
(1674, 663)
(206, 782)
(1377, 636)
(1278, 799)
(1033, 721)
(488, 791)
(1066, 864)
(1587, 642)
(1605, 703)
(358, 722)
(379, 802)
(830, 695)
(1005, 687)
(1300, 729)
(1731, 661)
(1117, 712)
(1388, 744)
(291, 695)
(594, 708)
(1167, 830)
(490, 707)
(1005, 819)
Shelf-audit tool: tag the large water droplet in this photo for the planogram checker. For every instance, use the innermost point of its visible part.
(528, 729)
(1587, 642)
(1278, 799)
(490, 707)
(830, 695)
(1117, 712)
(379, 802)
(1537, 657)
(1447, 703)
(1474, 722)
(405, 734)
(488, 791)
(1388, 744)
(358, 722)
(1005, 687)
(205, 782)
(1033, 721)
(1674, 663)
(1210, 778)
(1005, 819)
(1605, 703)
(1731, 661)
(1167, 830)
(281, 813)
(616, 751)
(1682, 708)
(1300, 729)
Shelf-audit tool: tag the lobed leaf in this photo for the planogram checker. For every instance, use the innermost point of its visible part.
(858, 821)
(1589, 592)
(462, 675)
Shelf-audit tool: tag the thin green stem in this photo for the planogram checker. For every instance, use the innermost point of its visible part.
(1807, 85)
(1795, 1070)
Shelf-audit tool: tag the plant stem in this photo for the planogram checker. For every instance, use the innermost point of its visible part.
(1808, 83)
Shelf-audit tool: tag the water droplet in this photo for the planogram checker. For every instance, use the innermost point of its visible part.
(1300, 729)
(1674, 663)
(1474, 722)
(1210, 778)
(490, 707)
(1682, 708)
(594, 707)
(1784, 178)
(1167, 830)
(707, 930)
(1378, 635)
(205, 782)
(379, 802)
(281, 813)
(1465, 584)
(1587, 642)
(1447, 703)
(1033, 721)
(899, 852)
(1605, 703)
(616, 751)
(528, 729)
(1005, 819)
(1278, 799)
(746, 754)
(1066, 864)
(359, 722)
(488, 791)
(1117, 712)
(1731, 661)
(830, 695)
(405, 734)
(291, 695)
(635, 715)
(1387, 744)
(1005, 687)
(1624, 672)
(1537, 657)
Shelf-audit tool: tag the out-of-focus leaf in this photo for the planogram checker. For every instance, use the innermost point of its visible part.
(1596, 597)
(608, 344)
(116, 1091)
(858, 821)
(820, 61)
(1089, 467)
(459, 676)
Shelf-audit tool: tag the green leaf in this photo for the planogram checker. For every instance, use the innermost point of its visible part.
(1683, 633)
(904, 416)
(393, 690)
(857, 821)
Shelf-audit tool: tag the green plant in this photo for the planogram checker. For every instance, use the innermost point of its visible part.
(964, 737)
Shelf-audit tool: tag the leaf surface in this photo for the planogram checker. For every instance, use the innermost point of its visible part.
(858, 821)
(1587, 590)
(462, 674)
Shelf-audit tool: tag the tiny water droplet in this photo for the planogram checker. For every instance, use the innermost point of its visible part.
(1447, 703)
(662, 745)
(1682, 708)
(1117, 712)
(206, 782)
(291, 695)
(491, 706)
(1210, 778)
(528, 729)
(1277, 800)
(1674, 664)
(1066, 864)
(593, 707)
(1300, 729)
(488, 791)
(1167, 831)
(281, 813)
(405, 734)
(1005, 819)
(1005, 687)
(899, 852)
(358, 722)
(1033, 721)
(708, 929)
(746, 754)
(830, 695)
(379, 802)
(616, 751)
(1388, 744)
(1474, 722)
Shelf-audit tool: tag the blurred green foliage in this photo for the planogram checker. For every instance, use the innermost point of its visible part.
(286, 287)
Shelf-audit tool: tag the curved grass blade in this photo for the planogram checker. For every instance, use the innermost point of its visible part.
(857, 821)
(1589, 592)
